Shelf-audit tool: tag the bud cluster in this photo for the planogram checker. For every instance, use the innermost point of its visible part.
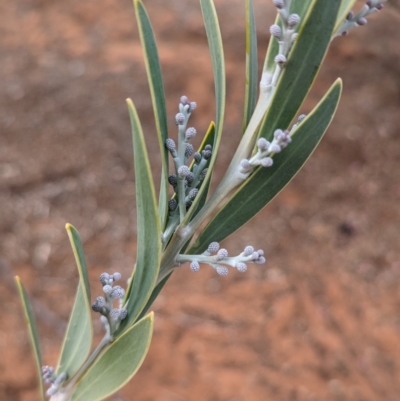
(219, 259)
(359, 19)
(285, 33)
(55, 382)
(105, 304)
(186, 179)
(265, 151)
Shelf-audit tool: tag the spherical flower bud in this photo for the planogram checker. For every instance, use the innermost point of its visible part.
(117, 292)
(362, 21)
(192, 193)
(279, 134)
(123, 313)
(221, 254)
(189, 150)
(183, 171)
(190, 178)
(350, 16)
(190, 133)
(184, 100)
(301, 118)
(222, 270)
(255, 256)
(248, 250)
(193, 106)
(197, 157)
(279, 4)
(206, 154)
(379, 6)
(173, 180)
(280, 59)
(170, 144)
(213, 247)
(344, 33)
(172, 204)
(96, 307)
(180, 119)
(107, 289)
(276, 31)
(116, 276)
(208, 147)
(203, 174)
(260, 252)
(242, 267)
(114, 314)
(195, 266)
(260, 260)
(293, 20)
(245, 164)
(263, 144)
(274, 148)
(104, 277)
(266, 162)
(100, 301)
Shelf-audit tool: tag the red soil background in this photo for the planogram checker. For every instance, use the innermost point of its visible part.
(319, 321)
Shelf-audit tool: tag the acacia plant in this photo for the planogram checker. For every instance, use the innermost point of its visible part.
(276, 140)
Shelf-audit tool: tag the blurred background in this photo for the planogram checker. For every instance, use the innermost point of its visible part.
(319, 321)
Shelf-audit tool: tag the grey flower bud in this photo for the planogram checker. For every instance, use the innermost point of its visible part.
(180, 119)
(362, 21)
(242, 267)
(116, 276)
(280, 60)
(192, 194)
(114, 314)
(183, 171)
(203, 174)
(189, 150)
(184, 100)
(248, 250)
(123, 313)
(170, 144)
(350, 16)
(276, 31)
(172, 204)
(279, 4)
(104, 277)
(274, 148)
(213, 247)
(221, 254)
(263, 144)
(173, 180)
(117, 292)
(197, 157)
(107, 289)
(293, 20)
(195, 266)
(190, 177)
(222, 270)
(193, 106)
(245, 164)
(206, 154)
(260, 260)
(266, 162)
(190, 133)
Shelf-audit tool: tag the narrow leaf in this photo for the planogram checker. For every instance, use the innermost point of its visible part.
(33, 333)
(156, 84)
(117, 365)
(251, 65)
(78, 337)
(148, 227)
(265, 183)
(218, 63)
